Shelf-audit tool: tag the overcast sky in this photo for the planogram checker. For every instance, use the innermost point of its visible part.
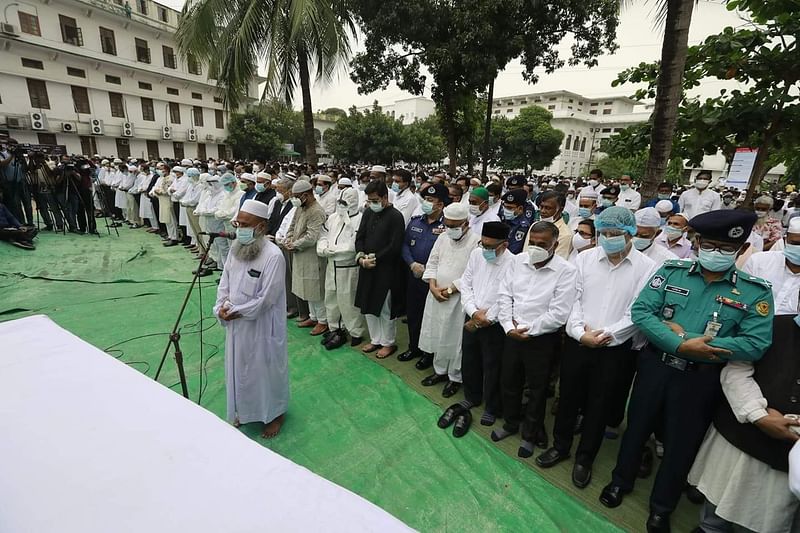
(638, 38)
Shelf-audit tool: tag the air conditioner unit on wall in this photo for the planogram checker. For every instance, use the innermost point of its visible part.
(37, 121)
(209, 137)
(14, 122)
(96, 126)
(192, 135)
(8, 29)
(127, 129)
(166, 133)
(69, 127)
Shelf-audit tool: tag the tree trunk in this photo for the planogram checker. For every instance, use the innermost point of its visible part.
(668, 92)
(760, 165)
(308, 111)
(487, 132)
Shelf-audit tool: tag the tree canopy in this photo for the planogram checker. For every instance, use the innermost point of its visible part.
(261, 131)
(527, 141)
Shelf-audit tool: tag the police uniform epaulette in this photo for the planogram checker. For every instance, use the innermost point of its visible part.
(755, 279)
(678, 263)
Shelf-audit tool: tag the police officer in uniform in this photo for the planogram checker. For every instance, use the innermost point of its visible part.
(421, 232)
(696, 315)
(515, 214)
(518, 183)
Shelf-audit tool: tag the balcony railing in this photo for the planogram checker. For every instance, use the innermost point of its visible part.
(72, 35)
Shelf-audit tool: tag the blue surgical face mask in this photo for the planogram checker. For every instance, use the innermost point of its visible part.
(792, 253)
(640, 243)
(612, 245)
(664, 196)
(426, 207)
(673, 233)
(606, 202)
(715, 261)
(509, 214)
(489, 255)
(377, 207)
(260, 187)
(396, 187)
(584, 212)
(245, 236)
(319, 190)
(624, 187)
(229, 187)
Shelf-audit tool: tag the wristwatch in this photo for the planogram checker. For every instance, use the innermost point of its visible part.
(449, 291)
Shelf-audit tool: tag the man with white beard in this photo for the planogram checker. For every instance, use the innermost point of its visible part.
(251, 306)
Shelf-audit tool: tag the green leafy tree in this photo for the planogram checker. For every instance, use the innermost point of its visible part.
(261, 131)
(371, 136)
(335, 112)
(528, 141)
(464, 47)
(291, 36)
(423, 142)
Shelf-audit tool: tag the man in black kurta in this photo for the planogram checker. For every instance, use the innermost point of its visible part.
(381, 280)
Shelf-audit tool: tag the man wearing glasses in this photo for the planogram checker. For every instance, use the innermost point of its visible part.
(696, 315)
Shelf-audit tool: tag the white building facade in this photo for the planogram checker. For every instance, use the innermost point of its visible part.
(105, 77)
(407, 110)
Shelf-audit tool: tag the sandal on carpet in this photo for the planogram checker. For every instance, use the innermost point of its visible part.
(369, 348)
(386, 351)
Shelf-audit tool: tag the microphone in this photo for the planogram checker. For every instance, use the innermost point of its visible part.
(221, 234)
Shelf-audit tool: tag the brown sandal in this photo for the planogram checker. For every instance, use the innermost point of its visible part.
(386, 351)
(369, 348)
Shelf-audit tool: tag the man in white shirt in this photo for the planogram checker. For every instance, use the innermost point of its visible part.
(629, 198)
(673, 236)
(535, 299)
(648, 226)
(699, 199)
(405, 200)
(483, 337)
(479, 212)
(595, 177)
(598, 347)
(326, 193)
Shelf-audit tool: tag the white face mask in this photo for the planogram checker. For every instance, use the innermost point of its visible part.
(593, 183)
(579, 242)
(455, 233)
(701, 184)
(295, 201)
(548, 219)
(761, 214)
(474, 210)
(280, 197)
(537, 254)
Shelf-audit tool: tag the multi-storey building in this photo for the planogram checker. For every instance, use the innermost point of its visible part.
(105, 77)
(407, 110)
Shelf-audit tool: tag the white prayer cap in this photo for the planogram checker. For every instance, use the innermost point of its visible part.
(204, 177)
(682, 215)
(648, 217)
(794, 225)
(301, 186)
(178, 169)
(254, 207)
(262, 175)
(247, 176)
(186, 162)
(347, 182)
(378, 168)
(664, 206)
(104, 162)
(764, 199)
(211, 177)
(275, 182)
(324, 178)
(132, 168)
(456, 211)
(117, 160)
(588, 192)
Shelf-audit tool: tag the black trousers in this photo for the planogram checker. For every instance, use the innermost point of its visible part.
(686, 402)
(481, 356)
(416, 294)
(527, 361)
(590, 379)
(616, 411)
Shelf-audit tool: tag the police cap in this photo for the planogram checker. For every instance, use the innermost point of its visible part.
(727, 225)
(437, 190)
(516, 181)
(516, 197)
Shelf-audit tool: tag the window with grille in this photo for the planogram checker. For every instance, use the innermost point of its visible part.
(201, 151)
(29, 24)
(142, 51)
(123, 148)
(88, 146)
(80, 99)
(198, 116)
(172, 91)
(163, 15)
(606, 111)
(197, 96)
(193, 65)
(152, 150)
(77, 72)
(107, 41)
(146, 86)
(148, 112)
(170, 61)
(174, 113)
(116, 80)
(47, 138)
(37, 90)
(117, 105)
(219, 119)
(178, 148)
(217, 100)
(32, 63)
(142, 6)
(70, 32)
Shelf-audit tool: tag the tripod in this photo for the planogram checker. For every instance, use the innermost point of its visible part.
(103, 206)
(175, 336)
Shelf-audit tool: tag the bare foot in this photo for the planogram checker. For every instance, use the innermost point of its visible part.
(236, 422)
(273, 428)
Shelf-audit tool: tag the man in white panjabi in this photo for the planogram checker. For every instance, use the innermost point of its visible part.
(443, 317)
(251, 306)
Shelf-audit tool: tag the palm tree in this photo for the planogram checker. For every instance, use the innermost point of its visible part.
(677, 16)
(293, 37)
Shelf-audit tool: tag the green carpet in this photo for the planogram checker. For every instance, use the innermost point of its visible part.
(351, 421)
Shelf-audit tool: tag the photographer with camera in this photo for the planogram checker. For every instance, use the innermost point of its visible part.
(42, 184)
(12, 182)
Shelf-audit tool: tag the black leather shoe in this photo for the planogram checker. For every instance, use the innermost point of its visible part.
(355, 341)
(450, 389)
(170, 243)
(338, 339)
(425, 362)
(551, 457)
(408, 355)
(612, 496)
(541, 439)
(694, 495)
(646, 466)
(326, 336)
(581, 475)
(463, 421)
(658, 523)
(449, 416)
(433, 379)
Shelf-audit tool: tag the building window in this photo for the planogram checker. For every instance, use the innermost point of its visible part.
(29, 24)
(193, 64)
(198, 116)
(593, 111)
(606, 130)
(117, 105)
(142, 6)
(177, 147)
(201, 151)
(566, 144)
(172, 91)
(570, 100)
(32, 63)
(222, 151)
(569, 107)
(47, 138)
(80, 99)
(593, 104)
(116, 80)
(608, 103)
(606, 111)
(551, 107)
(77, 72)
(142, 51)
(37, 90)
(123, 148)
(70, 32)
(174, 113)
(219, 118)
(146, 86)
(217, 100)
(152, 150)
(88, 145)
(197, 96)
(148, 112)
(169, 57)
(580, 103)
(576, 144)
(509, 110)
(552, 99)
(163, 14)
(107, 41)
(583, 144)
(523, 102)
(497, 111)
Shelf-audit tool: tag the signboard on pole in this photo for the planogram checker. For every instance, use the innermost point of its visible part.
(741, 168)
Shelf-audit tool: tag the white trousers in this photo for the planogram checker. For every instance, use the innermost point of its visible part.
(340, 295)
(382, 329)
(448, 365)
(172, 226)
(316, 311)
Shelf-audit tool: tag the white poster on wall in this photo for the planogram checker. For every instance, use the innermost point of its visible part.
(741, 168)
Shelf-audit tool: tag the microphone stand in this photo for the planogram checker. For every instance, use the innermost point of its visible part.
(175, 336)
